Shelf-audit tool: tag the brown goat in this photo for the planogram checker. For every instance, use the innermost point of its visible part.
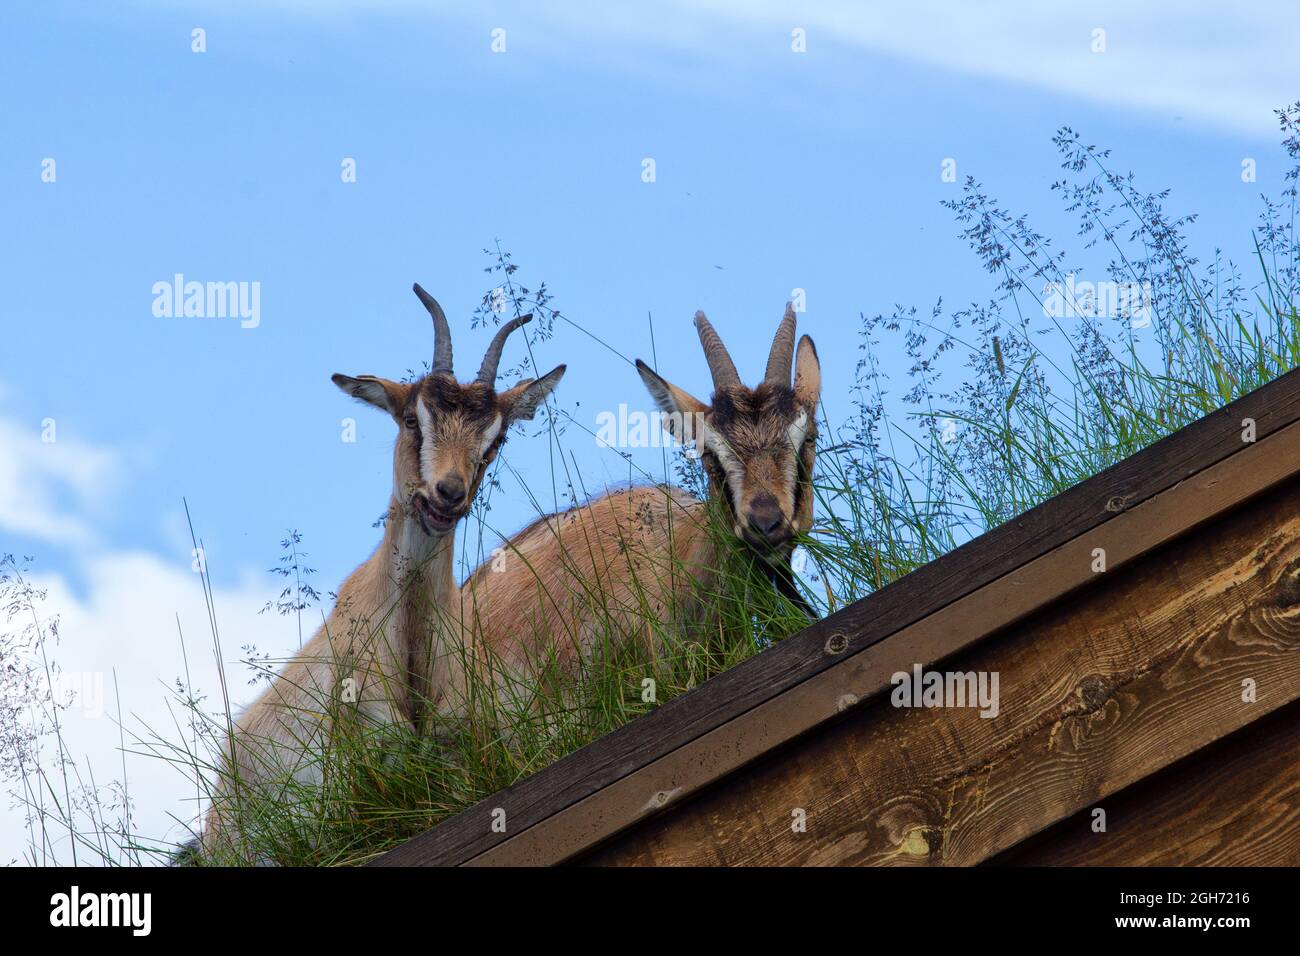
(393, 645)
(648, 551)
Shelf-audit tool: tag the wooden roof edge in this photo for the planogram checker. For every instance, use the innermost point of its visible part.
(696, 738)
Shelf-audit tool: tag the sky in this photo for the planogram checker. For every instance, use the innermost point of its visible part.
(795, 146)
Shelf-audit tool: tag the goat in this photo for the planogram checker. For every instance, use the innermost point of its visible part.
(392, 647)
(647, 551)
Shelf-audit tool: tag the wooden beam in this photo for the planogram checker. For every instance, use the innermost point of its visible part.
(695, 739)
(1235, 803)
(1096, 692)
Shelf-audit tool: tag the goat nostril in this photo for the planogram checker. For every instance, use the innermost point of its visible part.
(452, 490)
(768, 524)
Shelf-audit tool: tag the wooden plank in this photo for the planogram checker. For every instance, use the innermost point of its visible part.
(961, 624)
(1235, 803)
(678, 774)
(841, 638)
(1097, 691)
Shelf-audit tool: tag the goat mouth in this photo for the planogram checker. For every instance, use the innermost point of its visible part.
(765, 546)
(433, 520)
(762, 545)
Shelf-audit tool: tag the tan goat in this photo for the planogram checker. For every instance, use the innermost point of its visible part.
(647, 550)
(393, 645)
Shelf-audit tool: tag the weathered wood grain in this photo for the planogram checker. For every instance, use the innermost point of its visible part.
(1097, 691)
(1234, 803)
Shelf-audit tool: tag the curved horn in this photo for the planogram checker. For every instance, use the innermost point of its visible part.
(441, 333)
(779, 359)
(487, 372)
(715, 353)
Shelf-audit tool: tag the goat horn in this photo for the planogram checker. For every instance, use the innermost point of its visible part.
(715, 353)
(778, 360)
(441, 333)
(487, 373)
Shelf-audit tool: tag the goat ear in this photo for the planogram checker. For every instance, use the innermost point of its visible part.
(379, 392)
(803, 519)
(807, 376)
(678, 406)
(521, 401)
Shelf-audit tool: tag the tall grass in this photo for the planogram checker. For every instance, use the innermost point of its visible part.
(1048, 389)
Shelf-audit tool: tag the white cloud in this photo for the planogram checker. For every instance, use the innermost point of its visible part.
(122, 619)
(1226, 67)
(35, 473)
(126, 623)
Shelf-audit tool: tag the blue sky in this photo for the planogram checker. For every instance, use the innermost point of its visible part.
(775, 170)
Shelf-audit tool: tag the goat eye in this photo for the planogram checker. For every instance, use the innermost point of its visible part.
(411, 422)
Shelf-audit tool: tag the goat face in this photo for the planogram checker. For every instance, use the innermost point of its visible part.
(758, 445)
(449, 432)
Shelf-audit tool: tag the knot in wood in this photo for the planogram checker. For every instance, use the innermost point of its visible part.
(837, 643)
(1286, 592)
(1116, 503)
(919, 841)
(1094, 691)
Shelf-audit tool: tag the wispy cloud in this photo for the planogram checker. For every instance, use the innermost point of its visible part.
(123, 625)
(122, 621)
(1229, 66)
(1197, 61)
(48, 481)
